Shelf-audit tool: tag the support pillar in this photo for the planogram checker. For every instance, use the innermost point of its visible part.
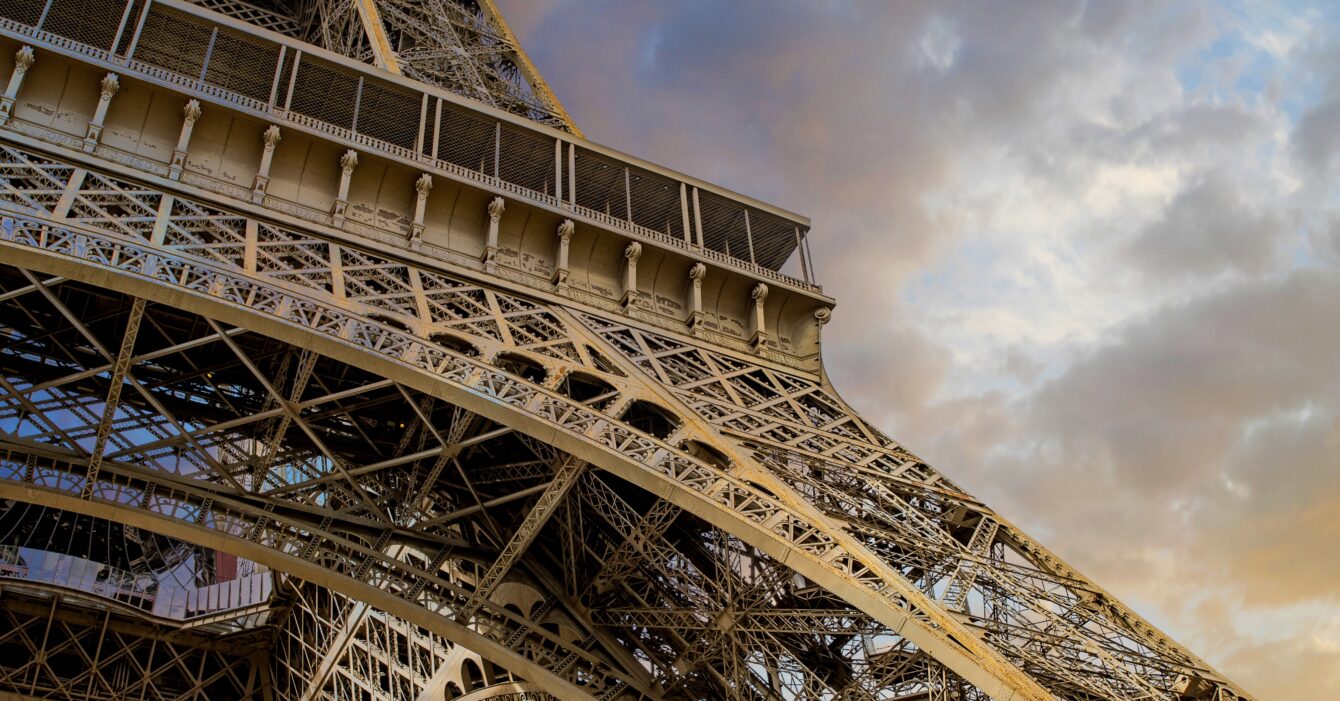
(561, 271)
(24, 59)
(348, 162)
(190, 113)
(695, 320)
(631, 254)
(497, 206)
(759, 295)
(108, 89)
(271, 138)
(422, 187)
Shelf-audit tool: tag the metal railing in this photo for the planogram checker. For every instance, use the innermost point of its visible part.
(151, 35)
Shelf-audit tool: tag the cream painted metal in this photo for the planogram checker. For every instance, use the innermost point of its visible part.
(485, 440)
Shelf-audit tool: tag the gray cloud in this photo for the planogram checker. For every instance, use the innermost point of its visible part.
(1166, 402)
(1316, 143)
(1207, 229)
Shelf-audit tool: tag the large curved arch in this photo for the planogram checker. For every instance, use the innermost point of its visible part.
(782, 528)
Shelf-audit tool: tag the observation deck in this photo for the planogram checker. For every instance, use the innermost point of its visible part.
(262, 124)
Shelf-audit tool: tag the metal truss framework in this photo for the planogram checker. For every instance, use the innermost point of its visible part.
(464, 46)
(222, 433)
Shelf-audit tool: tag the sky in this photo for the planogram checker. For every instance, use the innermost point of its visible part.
(1086, 257)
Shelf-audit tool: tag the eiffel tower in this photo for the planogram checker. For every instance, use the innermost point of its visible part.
(335, 363)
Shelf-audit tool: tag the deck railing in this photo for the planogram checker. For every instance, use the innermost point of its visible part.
(314, 89)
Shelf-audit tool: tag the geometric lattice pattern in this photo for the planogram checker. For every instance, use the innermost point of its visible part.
(247, 451)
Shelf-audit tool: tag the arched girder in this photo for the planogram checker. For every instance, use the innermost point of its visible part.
(781, 528)
(196, 534)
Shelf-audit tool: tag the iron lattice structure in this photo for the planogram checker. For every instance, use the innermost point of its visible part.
(334, 364)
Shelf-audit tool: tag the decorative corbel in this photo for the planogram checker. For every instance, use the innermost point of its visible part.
(271, 140)
(24, 59)
(422, 187)
(697, 272)
(107, 90)
(190, 114)
(630, 295)
(497, 206)
(565, 229)
(822, 316)
(348, 162)
(760, 295)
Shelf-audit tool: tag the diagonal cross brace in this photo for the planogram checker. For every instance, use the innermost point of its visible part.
(119, 369)
(569, 470)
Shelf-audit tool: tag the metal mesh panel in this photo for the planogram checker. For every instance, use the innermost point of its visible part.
(173, 41)
(325, 92)
(22, 11)
(85, 21)
(656, 202)
(243, 65)
(526, 159)
(774, 238)
(251, 14)
(389, 112)
(600, 184)
(128, 35)
(723, 225)
(466, 140)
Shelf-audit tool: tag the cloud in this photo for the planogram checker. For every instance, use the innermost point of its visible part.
(1167, 401)
(1085, 255)
(1316, 143)
(1207, 229)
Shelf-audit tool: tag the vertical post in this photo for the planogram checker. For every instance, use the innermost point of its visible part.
(42, 18)
(348, 162)
(759, 295)
(697, 217)
(627, 194)
(800, 251)
(497, 148)
(190, 113)
(805, 246)
(558, 170)
(684, 213)
(159, 232)
(496, 208)
(749, 237)
(560, 280)
(292, 80)
(271, 139)
(337, 272)
(249, 248)
(437, 127)
(139, 28)
(422, 187)
(107, 90)
(697, 272)
(631, 254)
(358, 102)
(68, 194)
(572, 173)
(24, 59)
(209, 51)
(121, 28)
(279, 74)
(423, 126)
